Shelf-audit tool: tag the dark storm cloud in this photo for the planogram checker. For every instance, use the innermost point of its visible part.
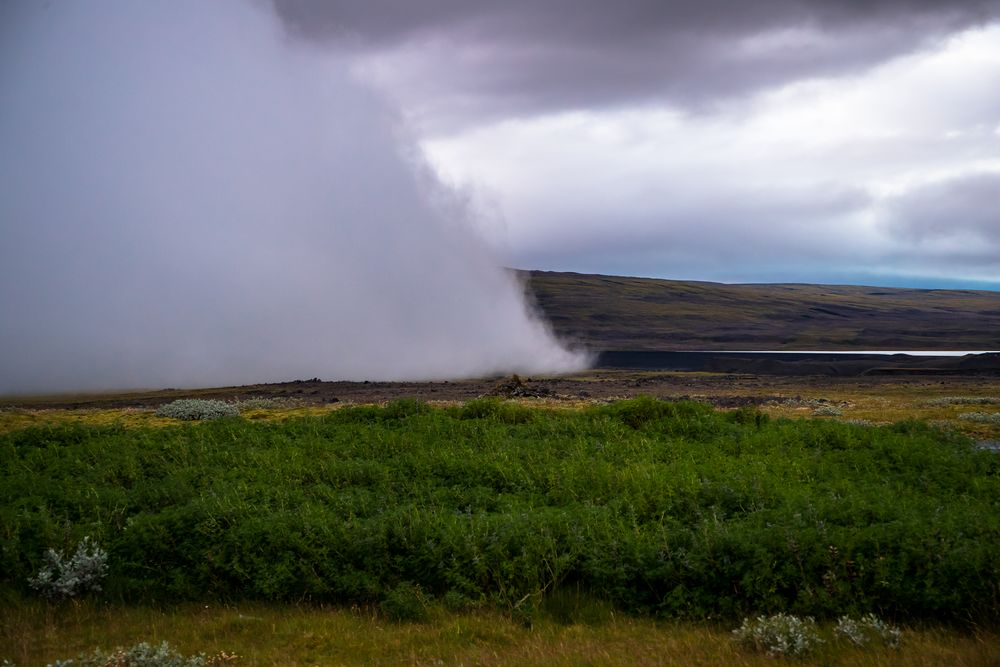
(448, 59)
(604, 24)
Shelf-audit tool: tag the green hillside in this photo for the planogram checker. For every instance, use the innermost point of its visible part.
(618, 313)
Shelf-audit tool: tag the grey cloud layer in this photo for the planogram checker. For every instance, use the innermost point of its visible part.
(451, 62)
(738, 235)
(945, 228)
(967, 207)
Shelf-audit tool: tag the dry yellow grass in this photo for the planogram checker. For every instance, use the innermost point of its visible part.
(877, 403)
(18, 418)
(885, 405)
(34, 634)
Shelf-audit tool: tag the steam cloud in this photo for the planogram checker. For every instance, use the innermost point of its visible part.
(190, 197)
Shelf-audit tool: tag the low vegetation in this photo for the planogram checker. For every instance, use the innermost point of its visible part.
(35, 633)
(669, 509)
(486, 532)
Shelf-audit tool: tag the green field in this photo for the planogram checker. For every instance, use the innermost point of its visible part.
(645, 508)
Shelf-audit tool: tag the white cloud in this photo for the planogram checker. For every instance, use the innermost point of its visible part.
(800, 170)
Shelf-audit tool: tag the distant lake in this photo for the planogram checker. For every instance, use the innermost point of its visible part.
(912, 353)
(808, 362)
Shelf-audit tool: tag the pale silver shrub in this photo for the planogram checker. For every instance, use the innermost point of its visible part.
(779, 634)
(868, 629)
(963, 400)
(190, 409)
(276, 402)
(62, 577)
(981, 417)
(145, 655)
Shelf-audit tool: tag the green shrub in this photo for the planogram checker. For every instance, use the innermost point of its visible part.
(405, 602)
(496, 409)
(404, 407)
(572, 605)
(644, 410)
(749, 416)
(455, 601)
(396, 411)
(190, 409)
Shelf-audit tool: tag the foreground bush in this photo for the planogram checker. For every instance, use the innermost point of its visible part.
(65, 577)
(405, 602)
(779, 634)
(868, 630)
(788, 635)
(671, 509)
(143, 655)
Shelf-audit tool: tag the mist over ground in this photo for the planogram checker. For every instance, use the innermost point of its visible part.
(190, 196)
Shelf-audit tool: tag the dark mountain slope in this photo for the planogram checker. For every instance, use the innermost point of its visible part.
(618, 313)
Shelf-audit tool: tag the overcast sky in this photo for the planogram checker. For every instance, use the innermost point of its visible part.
(777, 140)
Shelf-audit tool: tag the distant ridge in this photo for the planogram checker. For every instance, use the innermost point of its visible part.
(621, 313)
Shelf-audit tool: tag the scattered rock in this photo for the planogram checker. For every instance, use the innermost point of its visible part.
(514, 387)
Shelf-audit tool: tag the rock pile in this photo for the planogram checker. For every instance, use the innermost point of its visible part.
(514, 387)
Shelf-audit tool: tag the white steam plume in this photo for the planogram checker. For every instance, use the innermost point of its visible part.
(190, 198)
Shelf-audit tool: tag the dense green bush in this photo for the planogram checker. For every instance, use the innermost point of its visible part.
(405, 602)
(495, 409)
(667, 508)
